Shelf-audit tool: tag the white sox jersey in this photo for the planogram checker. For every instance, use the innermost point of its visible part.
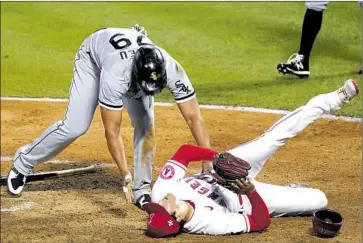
(112, 50)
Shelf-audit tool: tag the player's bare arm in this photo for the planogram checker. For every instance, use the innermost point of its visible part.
(191, 113)
(112, 123)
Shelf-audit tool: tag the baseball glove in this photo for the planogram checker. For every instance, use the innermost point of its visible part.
(326, 223)
(230, 168)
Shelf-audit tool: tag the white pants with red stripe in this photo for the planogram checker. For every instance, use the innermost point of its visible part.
(283, 200)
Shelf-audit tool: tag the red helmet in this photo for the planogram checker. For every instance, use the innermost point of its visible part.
(160, 223)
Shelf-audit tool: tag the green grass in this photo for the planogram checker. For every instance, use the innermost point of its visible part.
(229, 49)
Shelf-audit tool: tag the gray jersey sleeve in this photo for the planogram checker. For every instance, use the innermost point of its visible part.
(178, 81)
(112, 90)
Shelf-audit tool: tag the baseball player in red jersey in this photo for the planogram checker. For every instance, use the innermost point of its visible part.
(201, 206)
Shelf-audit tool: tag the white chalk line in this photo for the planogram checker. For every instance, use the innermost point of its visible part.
(213, 107)
(21, 207)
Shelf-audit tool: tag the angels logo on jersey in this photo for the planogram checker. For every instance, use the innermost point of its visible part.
(168, 172)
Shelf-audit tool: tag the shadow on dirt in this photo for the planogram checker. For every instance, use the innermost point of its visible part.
(103, 178)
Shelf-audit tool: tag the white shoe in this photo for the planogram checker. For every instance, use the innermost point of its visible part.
(15, 182)
(348, 91)
(297, 185)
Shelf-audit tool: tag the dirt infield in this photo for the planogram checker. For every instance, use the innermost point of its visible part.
(90, 207)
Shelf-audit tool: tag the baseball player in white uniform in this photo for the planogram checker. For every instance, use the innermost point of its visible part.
(116, 67)
(201, 206)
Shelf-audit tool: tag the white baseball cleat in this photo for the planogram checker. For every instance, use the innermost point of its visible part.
(15, 182)
(348, 91)
(297, 185)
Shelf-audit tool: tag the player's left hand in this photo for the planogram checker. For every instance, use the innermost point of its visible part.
(243, 187)
(140, 29)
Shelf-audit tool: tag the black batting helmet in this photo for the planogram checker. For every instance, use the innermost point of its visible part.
(148, 70)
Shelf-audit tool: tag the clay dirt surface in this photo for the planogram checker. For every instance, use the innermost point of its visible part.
(91, 208)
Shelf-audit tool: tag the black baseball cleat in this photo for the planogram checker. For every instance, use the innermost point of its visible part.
(295, 65)
(143, 199)
(15, 182)
(360, 71)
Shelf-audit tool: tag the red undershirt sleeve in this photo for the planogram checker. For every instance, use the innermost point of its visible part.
(260, 217)
(189, 153)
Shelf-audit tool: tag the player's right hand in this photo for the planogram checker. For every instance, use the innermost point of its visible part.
(126, 178)
(243, 187)
(127, 187)
(140, 29)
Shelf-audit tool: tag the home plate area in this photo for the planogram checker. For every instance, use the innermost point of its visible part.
(90, 207)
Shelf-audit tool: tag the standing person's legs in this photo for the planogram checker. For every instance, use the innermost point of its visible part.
(82, 103)
(141, 112)
(298, 63)
(313, 20)
(257, 151)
